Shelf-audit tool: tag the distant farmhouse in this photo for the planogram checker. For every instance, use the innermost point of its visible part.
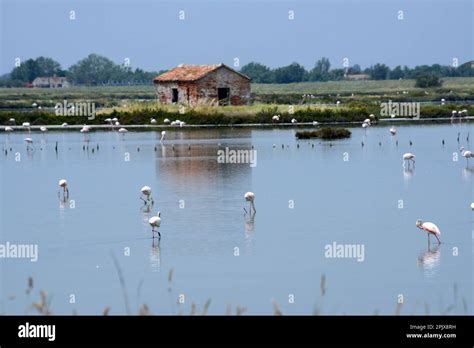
(357, 77)
(202, 85)
(50, 82)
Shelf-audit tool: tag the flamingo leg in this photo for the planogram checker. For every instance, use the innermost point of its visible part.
(253, 206)
(439, 242)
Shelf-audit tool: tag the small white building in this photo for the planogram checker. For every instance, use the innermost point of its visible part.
(51, 82)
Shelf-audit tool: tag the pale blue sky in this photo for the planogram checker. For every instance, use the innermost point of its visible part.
(152, 36)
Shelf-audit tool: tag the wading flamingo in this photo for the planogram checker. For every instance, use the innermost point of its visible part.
(430, 228)
(408, 157)
(63, 185)
(29, 144)
(250, 197)
(467, 154)
(393, 131)
(146, 195)
(155, 222)
(163, 133)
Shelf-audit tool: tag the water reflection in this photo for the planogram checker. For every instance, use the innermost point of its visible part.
(249, 229)
(467, 173)
(155, 255)
(408, 173)
(429, 260)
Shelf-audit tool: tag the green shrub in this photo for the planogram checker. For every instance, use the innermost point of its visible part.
(325, 133)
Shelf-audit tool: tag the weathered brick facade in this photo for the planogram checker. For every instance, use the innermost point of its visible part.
(202, 85)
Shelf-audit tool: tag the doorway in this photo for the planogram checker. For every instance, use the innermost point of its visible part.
(223, 95)
(175, 95)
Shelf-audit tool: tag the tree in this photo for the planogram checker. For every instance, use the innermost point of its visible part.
(95, 69)
(39, 67)
(336, 74)
(379, 72)
(320, 72)
(288, 74)
(397, 73)
(426, 81)
(355, 69)
(259, 73)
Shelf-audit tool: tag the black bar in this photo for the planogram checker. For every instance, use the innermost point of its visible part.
(142, 330)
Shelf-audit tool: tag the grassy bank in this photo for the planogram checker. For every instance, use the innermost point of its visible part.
(139, 114)
(454, 89)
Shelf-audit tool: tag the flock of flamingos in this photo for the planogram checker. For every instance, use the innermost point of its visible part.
(155, 221)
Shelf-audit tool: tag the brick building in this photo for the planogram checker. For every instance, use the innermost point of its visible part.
(202, 85)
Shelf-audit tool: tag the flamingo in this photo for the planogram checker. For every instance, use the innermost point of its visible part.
(275, 119)
(250, 197)
(393, 131)
(181, 123)
(64, 124)
(467, 154)
(294, 121)
(85, 129)
(43, 129)
(315, 123)
(29, 144)
(152, 121)
(365, 125)
(8, 129)
(122, 130)
(27, 125)
(63, 185)
(146, 195)
(163, 133)
(407, 157)
(472, 206)
(155, 222)
(12, 120)
(430, 228)
(166, 121)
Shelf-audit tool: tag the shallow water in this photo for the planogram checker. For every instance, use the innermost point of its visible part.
(306, 198)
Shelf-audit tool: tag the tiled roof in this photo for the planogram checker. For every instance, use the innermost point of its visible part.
(190, 72)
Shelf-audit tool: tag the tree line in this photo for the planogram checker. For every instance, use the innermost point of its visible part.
(91, 71)
(322, 72)
(99, 70)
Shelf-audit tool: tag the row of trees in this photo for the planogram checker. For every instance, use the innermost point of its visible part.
(322, 72)
(96, 70)
(92, 70)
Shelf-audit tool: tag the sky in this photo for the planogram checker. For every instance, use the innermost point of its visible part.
(153, 37)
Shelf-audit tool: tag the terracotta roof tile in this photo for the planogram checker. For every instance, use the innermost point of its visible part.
(189, 72)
